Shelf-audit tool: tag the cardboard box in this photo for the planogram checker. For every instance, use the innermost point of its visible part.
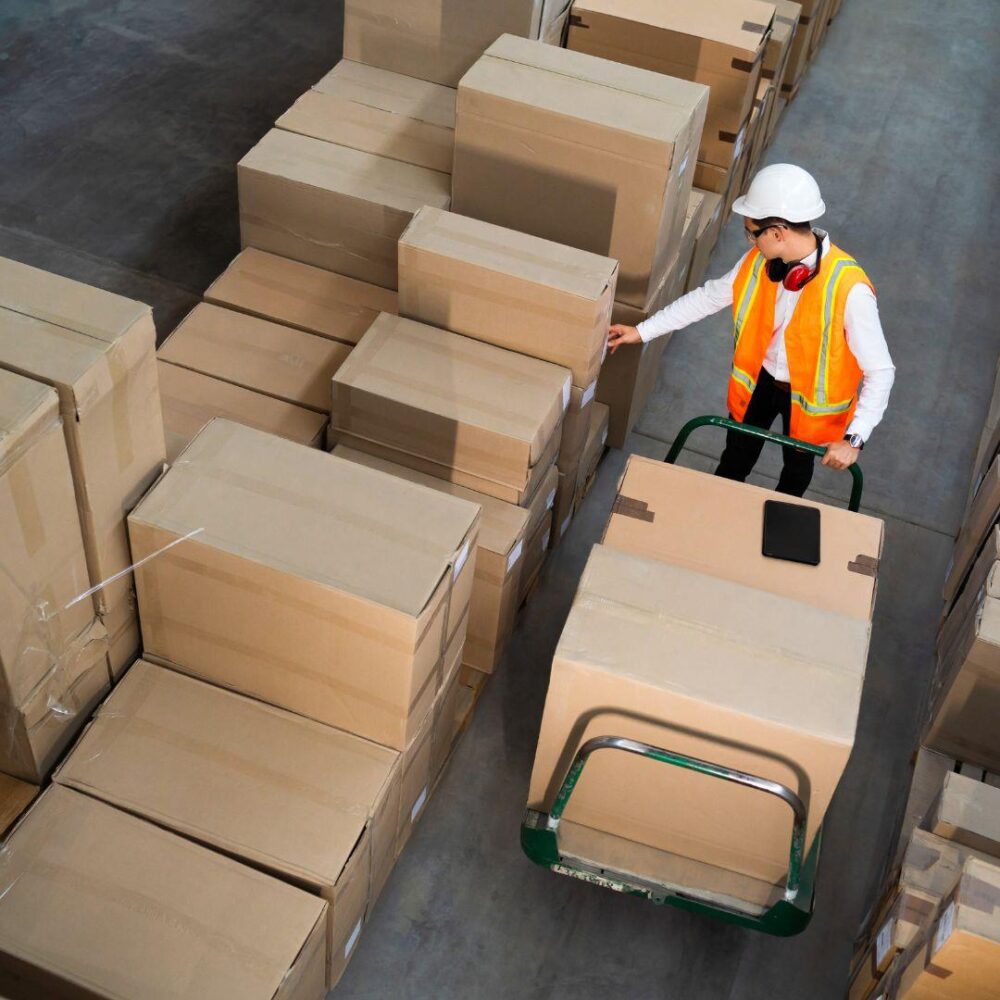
(647, 653)
(960, 957)
(720, 45)
(504, 288)
(332, 206)
(597, 439)
(130, 910)
(628, 376)
(980, 519)
(779, 44)
(43, 561)
(311, 583)
(710, 225)
(798, 59)
(542, 130)
(281, 793)
(499, 556)
(124, 638)
(714, 526)
(438, 41)
(97, 350)
(15, 797)
(34, 733)
(576, 426)
(295, 294)
(268, 358)
(190, 400)
(380, 112)
(535, 552)
(474, 414)
(964, 723)
(967, 812)
(565, 507)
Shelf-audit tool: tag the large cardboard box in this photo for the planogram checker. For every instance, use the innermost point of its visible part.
(307, 803)
(720, 45)
(777, 59)
(437, 40)
(332, 206)
(474, 414)
(714, 526)
(540, 509)
(801, 53)
(306, 581)
(576, 426)
(597, 439)
(960, 955)
(503, 532)
(377, 111)
(628, 376)
(967, 705)
(190, 400)
(542, 130)
(979, 520)
(34, 733)
(295, 294)
(97, 903)
(271, 359)
(508, 289)
(97, 350)
(712, 669)
(967, 812)
(706, 236)
(42, 554)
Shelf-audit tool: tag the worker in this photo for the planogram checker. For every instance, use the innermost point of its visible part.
(806, 333)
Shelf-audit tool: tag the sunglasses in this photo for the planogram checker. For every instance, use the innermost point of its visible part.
(753, 235)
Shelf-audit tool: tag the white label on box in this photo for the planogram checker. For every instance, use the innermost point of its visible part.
(604, 437)
(588, 394)
(352, 940)
(551, 500)
(546, 539)
(945, 926)
(566, 391)
(460, 561)
(884, 941)
(419, 804)
(565, 525)
(515, 555)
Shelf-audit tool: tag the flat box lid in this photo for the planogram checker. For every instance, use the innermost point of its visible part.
(257, 354)
(458, 379)
(300, 295)
(718, 642)
(190, 399)
(71, 304)
(304, 512)
(120, 908)
(365, 177)
(740, 24)
(256, 782)
(388, 91)
(548, 265)
(714, 526)
(27, 407)
(502, 524)
(598, 91)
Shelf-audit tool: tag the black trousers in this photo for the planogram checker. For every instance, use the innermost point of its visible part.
(769, 400)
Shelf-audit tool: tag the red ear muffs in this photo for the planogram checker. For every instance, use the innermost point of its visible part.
(793, 276)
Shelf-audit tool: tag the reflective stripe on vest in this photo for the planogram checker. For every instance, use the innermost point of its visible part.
(746, 299)
(820, 403)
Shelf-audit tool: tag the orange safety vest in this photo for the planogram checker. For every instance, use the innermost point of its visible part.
(823, 373)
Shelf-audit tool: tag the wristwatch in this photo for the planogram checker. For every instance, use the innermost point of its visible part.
(855, 441)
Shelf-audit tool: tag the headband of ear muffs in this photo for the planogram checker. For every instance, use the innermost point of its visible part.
(795, 275)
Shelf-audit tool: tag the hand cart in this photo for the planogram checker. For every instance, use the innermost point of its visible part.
(785, 917)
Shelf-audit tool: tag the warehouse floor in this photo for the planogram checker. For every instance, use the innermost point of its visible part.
(121, 123)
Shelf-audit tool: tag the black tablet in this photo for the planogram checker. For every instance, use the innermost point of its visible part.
(791, 532)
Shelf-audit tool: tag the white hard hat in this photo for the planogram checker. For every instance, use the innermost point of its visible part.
(782, 191)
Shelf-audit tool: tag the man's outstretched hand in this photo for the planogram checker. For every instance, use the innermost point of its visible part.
(620, 334)
(840, 455)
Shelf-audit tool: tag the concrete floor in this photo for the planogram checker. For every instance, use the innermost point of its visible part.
(121, 122)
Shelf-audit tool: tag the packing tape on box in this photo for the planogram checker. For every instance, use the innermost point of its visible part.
(865, 565)
(784, 19)
(628, 507)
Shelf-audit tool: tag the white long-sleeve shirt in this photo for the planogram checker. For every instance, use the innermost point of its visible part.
(861, 323)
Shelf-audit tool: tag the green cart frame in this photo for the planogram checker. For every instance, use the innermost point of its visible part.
(786, 917)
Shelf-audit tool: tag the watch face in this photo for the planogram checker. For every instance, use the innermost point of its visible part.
(857, 440)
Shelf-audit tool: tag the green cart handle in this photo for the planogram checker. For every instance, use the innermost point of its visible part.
(539, 840)
(765, 435)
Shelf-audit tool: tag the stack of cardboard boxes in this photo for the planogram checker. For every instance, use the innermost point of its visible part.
(947, 869)
(648, 653)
